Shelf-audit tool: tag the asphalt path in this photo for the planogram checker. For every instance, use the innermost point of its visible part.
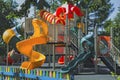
(94, 77)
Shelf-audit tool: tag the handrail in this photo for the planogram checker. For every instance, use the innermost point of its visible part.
(113, 46)
(74, 38)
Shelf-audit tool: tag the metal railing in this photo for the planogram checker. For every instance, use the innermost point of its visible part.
(74, 38)
(115, 53)
(114, 50)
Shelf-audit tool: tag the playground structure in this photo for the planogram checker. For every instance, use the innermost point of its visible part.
(57, 34)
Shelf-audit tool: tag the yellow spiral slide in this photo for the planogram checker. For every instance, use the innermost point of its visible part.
(25, 47)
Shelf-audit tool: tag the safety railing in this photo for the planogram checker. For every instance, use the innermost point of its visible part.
(115, 42)
(74, 38)
(10, 73)
(115, 53)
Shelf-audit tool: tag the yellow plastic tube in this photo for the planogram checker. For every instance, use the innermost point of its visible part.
(25, 47)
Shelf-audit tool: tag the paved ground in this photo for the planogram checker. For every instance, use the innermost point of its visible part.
(94, 77)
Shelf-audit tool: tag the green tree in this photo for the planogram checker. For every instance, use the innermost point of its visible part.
(116, 30)
(97, 10)
(9, 12)
(115, 24)
(98, 7)
(117, 19)
(6, 19)
(107, 25)
(24, 11)
(93, 6)
(6, 10)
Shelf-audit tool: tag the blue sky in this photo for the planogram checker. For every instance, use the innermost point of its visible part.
(116, 4)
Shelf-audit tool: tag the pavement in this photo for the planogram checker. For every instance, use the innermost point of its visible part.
(94, 77)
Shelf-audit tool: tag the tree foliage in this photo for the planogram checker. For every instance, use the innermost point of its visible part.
(24, 11)
(97, 10)
(115, 24)
(107, 25)
(7, 8)
(100, 9)
(116, 30)
(8, 12)
(6, 15)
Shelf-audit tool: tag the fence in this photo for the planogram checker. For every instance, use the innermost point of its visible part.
(10, 73)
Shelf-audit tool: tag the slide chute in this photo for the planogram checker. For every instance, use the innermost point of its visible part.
(25, 47)
(51, 18)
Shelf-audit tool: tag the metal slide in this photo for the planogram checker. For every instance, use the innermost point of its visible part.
(109, 62)
(81, 57)
(25, 47)
(72, 64)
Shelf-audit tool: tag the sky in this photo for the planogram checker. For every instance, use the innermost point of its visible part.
(116, 4)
